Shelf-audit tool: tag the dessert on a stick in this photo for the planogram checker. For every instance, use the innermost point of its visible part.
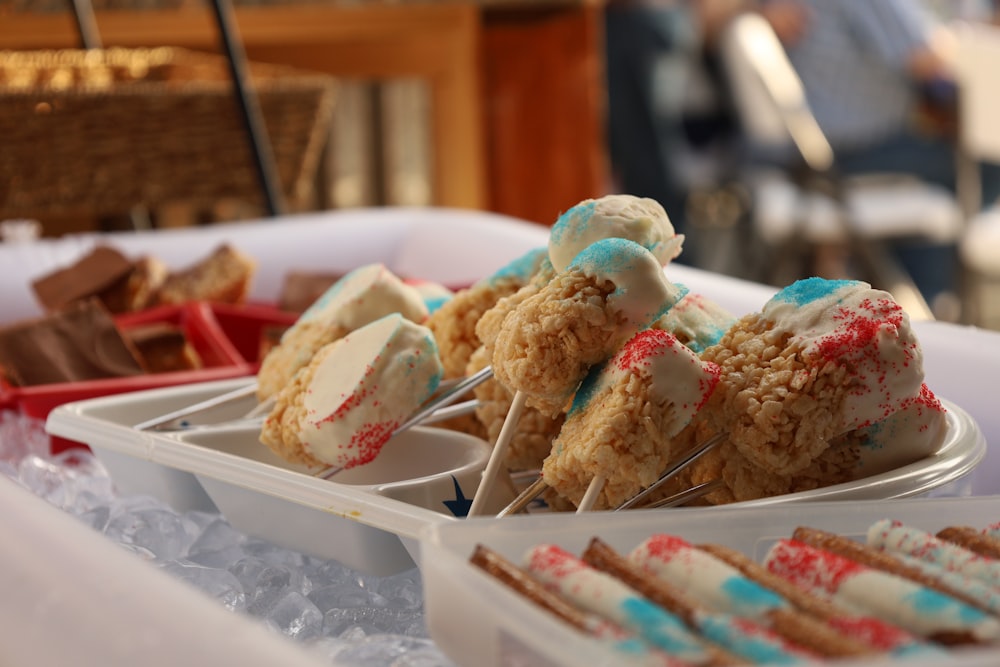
(610, 291)
(623, 418)
(353, 395)
(623, 216)
(454, 322)
(532, 441)
(920, 610)
(360, 297)
(547, 344)
(823, 358)
(629, 648)
(697, 321)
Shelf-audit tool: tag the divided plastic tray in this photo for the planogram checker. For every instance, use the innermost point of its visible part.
(368, 517)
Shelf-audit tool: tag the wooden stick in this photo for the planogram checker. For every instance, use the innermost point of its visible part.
(593, 491)
(498, 454)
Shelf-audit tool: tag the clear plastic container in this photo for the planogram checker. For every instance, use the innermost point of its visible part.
(478, 621)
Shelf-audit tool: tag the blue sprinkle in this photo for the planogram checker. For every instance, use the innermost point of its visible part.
(588, 388)
(929, 601)
(752, 595)
(808, 290)
(612, 255)
(582, 212)
(660, 627)
(521, 268)
(756, 649)
(433, 303)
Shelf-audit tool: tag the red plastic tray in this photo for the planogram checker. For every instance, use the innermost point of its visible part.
(226, 337)
(244, 326)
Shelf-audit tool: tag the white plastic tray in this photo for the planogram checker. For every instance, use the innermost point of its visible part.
(365, 517)
(499, 627)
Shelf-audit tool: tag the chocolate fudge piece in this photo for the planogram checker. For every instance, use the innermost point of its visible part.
(123, 286)
(224, 276)
(99, 270)
(163, 348)
(79, 342)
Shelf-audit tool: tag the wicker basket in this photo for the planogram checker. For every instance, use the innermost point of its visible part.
(99, 132)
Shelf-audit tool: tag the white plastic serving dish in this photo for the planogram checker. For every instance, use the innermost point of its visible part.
(366, 517)
(478, 621)
(369, 517)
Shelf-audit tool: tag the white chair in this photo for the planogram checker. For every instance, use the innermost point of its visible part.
(796, 215)
(977, 51)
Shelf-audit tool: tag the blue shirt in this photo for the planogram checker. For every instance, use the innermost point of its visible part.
(853, 64)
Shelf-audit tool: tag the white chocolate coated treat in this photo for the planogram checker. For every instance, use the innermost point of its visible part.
(676, 379)
(913, 607)
(849, 323)
(637, 219)
(910, 434)
(697, 321)
(364, 386)
(364, 295)
(895, 537)
(714, 582)
(602, 594)
(624, 417)
(983, 593)
(642, 292)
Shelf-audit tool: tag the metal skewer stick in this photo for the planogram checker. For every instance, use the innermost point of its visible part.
(689, 458)
(687, 495)
(166, 422)
(447, 398)
(524, 498)
(446, 413)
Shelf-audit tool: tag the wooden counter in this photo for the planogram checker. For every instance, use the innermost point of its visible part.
(516, 94)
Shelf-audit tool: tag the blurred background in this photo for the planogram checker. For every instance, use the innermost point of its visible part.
(785, 138)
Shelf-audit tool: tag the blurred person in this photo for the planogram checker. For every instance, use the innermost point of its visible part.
(886, 100)
(649, 46)
(670, 122)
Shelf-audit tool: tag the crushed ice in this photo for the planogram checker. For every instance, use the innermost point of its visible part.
(349, 617)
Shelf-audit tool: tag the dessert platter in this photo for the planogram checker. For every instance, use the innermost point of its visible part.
(591, 381)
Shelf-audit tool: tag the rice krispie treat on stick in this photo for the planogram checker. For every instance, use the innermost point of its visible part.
(351, 397)
(822, 358)
(532, 439)
(454, 323)
(697, 321)
(619, 430)
(546, 345)
(362, 296)
(612, 290)
(614, 216)
(623, 216)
